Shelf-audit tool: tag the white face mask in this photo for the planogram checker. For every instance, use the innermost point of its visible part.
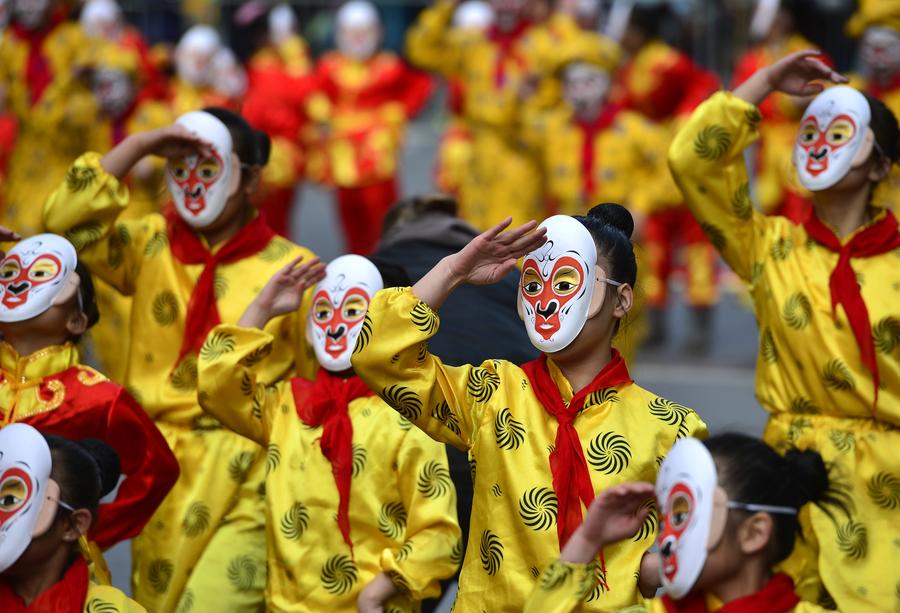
(585, 86)
(25, 484)
(113, 91)
(282, 23)
(880, 49)
(31, 13)
(340, 302)
(229, 77)
(36, 274)
(101, 19)
(474, 15)
(194, 55)
(834, 137)
(357, 31)
(557, 284)
(201, 185)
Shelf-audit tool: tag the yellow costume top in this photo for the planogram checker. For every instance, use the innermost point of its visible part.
(490, 412)
(107, 599)
(402, 504)
(220, 470)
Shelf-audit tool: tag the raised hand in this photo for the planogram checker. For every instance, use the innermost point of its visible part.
(7, 236)
(490, 255)
(796, 73)
(283, 293)
(174, 142)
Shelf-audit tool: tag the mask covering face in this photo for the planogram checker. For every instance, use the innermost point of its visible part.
(31, 13)
(113, 91)
(282, 23)
(357, 30)
(194, 54)
(201, 185)
(340, 303)
(585, 87)
(557, 284)
(36, 274)
(880, 50)
(28, 497)
(101, 19)
(834, 137)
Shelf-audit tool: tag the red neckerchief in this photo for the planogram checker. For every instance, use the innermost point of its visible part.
(880, 237)
(879, 91)
(777, 597)
(507, 41)
(589, 132)
(202, 311)
(65, 596)
(571, 478)
(37, 68)
(324, 403)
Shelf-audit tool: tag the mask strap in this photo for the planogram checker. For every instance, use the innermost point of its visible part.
(62, 504)
(613, 283)
(761, 508)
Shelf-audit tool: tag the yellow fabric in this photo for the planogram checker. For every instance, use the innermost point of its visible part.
(402, 503)
(52, 132)
(809, 374)
(106, 599)
(874, 13)
(490, 412)
(21, 376)
(134, 257)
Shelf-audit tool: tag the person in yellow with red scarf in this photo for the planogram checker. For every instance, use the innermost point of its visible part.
(729, 508)
(194, 266)
(542, 438)
(825, 296)
(335, 452)
(47, 304)
(51, 488)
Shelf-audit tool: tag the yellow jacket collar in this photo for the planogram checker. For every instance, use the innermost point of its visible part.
(43, 363)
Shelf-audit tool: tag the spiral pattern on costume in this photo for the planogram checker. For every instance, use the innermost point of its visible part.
(886, 334)
(257, 355)
(457, 553)
(196, 519)
(496, 490)
(217, 345)
(650, 522)
(715, 235)
(796, 429)
(404, 551)
(843, 440)
(712, 142)
(538, 508)
(741, 203)
(275, 250)
(220, 286)
(753, 117)
(424, 318)
(884, 490)
(434, 480)
(482, 384)
(666, 411)
(98, 605)
(598, 397)
(365, 333)
(186, 603)
(242, 572)
(803, 406)
(421, 352)
(473, 465)
(443, 414)
(118, 240)
(205, 423)
(756, 271)
(165, 308)
(767, 347)
(853, 540)
(555, 575)
(239, 466)
(79, 178)
(491, 552)
(508, 430)
(404, 401)
(85, 234)
(781, 248)
(392, 520)
(160, 574)
(609, 453)
(797, 311)
(359, 459)
(295, 521)
(338, 574)
(837, 376)
(156, 244)
(598, 582)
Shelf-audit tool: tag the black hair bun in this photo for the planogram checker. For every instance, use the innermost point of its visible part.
(615, 215)
(808, 475)
(263, 148)
(107, 463)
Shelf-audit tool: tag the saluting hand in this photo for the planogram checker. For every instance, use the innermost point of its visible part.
(796, 74)
(283, 293)
(490, 255)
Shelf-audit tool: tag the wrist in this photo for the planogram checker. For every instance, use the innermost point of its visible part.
(579, 550)
(451, 273)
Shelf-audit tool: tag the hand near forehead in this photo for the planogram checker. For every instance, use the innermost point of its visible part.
(490, 255)
(283, 293)
(175, 141)
(796, 73)
(7, 236)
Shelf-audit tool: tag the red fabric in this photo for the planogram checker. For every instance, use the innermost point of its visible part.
(880, 237)
(274, 100)
(777, 596)
(65, 596)
(105, 411)
(202, 310)
(507, 43)
(571, 477)
(880, 91)
(362, 211)
(324, 402)
(37, 68)
(589, 132)
(662, 231)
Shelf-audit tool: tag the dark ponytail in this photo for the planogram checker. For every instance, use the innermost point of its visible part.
(252, 146)
(86, 470)
(752, 472)
(884, 126)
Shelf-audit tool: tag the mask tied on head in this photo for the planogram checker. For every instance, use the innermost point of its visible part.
(36, 274)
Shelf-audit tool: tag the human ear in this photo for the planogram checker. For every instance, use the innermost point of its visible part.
(234, 182)
(625, 300)
(77, 324)
(79, 522)
(251, 180)
(755, 533)
(879, 169)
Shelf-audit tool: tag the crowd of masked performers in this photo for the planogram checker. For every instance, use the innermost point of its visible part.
(274, 432)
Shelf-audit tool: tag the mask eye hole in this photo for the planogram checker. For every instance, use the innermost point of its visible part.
(9, 270)
(208, 169)
(809, 133)
(179, 170)
(680, 511)
(13, 494)
(839, 132)
(532, 283)
(322, 310)
(566, 280)
(43, 269)
(354, 308)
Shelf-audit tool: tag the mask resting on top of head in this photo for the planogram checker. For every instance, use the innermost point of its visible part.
(36, 274)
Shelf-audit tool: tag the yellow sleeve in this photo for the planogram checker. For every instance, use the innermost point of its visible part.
(228, 386)
(561, 588)
(392, 357)
(432, 529)
(653, 186)
(707, 162)
(84, 209)
(430, 43)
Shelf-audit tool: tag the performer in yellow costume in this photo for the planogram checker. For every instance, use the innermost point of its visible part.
(825, 297)
(39, 53)
(729, 515)
(335, 452)
(199, 264)
(544, 437)
(192, 87)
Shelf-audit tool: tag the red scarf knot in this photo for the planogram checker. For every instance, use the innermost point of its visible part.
(202, 310)
(878, 238)
(67, 595)
(571, 477)
(777, 596)
(324, 403)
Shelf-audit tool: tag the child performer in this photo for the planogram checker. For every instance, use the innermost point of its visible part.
(335, 450)
(46, 304)
(576, 404)
(199, 264)
(729, 516)
(51, 490)
(824, 294)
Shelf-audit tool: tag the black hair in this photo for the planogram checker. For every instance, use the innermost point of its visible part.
(252, 146)
(884, 126)
(752, 472)
(86, 470)
(650, 19)
(408, 209)
(391, 274)
(88, 294)
(611, 225)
